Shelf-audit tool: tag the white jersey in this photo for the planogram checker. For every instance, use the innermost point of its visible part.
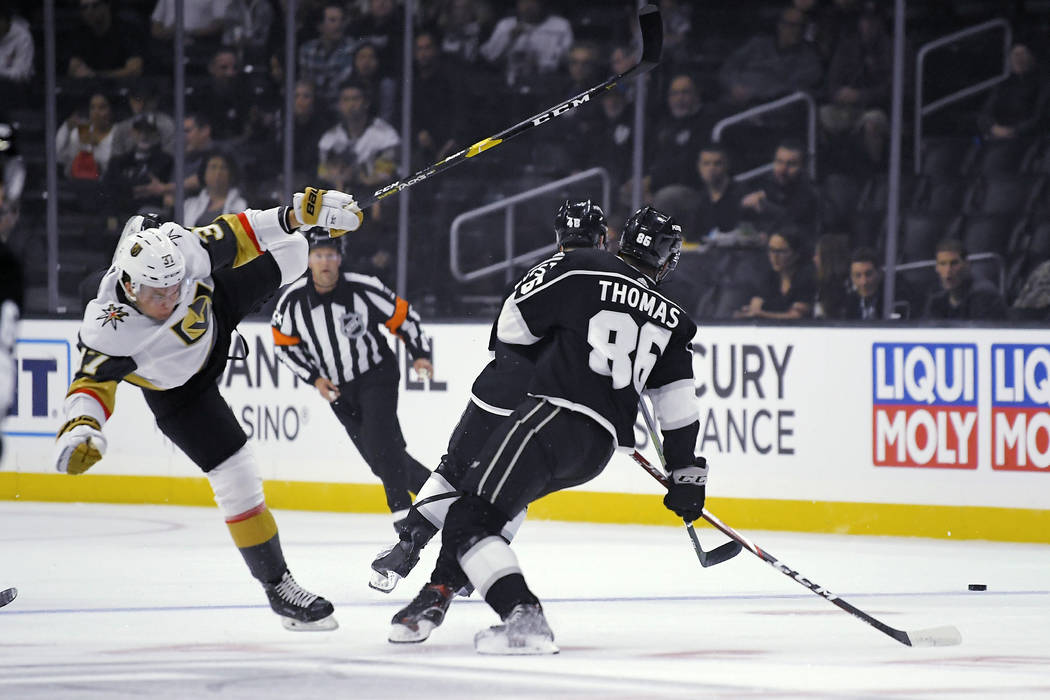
(119, 342)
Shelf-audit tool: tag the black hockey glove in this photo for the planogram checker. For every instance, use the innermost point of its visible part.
(685, 496)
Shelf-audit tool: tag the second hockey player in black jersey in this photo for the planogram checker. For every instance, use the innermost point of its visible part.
(496, 391)
(608, 335)
(328, 328)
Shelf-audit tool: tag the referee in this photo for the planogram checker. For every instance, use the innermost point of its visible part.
(326, 328)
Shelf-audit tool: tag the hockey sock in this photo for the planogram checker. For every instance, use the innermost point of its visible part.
(255, 534)
(507, 593)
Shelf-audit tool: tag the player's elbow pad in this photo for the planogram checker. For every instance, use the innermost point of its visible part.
(290, 253)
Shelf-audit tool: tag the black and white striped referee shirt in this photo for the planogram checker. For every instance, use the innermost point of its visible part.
(337, 335)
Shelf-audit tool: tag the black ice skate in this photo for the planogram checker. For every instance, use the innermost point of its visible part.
(525, 631)
(300, 610)
(393, 564)
(415, 622)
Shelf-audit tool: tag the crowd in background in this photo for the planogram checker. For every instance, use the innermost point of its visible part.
(782, 245)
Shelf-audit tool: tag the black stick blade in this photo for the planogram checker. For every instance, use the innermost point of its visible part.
(721, 553)
(7, 595)
(652, 27)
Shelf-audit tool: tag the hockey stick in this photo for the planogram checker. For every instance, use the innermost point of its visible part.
(932, 637)
(7, 595)
(717, 555)
(652, 30)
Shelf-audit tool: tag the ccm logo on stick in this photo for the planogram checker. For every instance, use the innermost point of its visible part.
(924, 405)
(1020, 403)
(561, 109)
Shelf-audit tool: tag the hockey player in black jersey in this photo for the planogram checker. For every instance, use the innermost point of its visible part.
(328, 329)
(497, 390)
(162, 320)
(608, 335)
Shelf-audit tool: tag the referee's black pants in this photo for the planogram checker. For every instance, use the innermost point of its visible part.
(367, 408)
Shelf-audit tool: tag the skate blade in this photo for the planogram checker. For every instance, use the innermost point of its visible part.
(384, 583)
(323, 625)
(501, 645)
(403, 634)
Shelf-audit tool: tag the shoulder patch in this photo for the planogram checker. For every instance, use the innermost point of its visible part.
(112, 314)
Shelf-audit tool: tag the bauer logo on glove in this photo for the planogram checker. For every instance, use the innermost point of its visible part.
(330, 209)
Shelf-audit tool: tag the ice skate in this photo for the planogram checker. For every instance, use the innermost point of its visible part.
(525, 631)
(300, 610)
(415, 622)
(393, 564)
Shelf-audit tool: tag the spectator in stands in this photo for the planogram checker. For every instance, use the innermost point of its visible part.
(12, 165)
(199, 143)
(142, 101)
(145, 162)
(309, 121)
(101, 45)
(437, 130)
(531, 43)
(962, 296)
(678, 25)
(858, 85)
(16, 54)
(383, 27)
(202, 20)
(679, 133)
(248, 26)
(219, 195)
(864, 300)
(84, 142)
(831, 261)
(718, 203)
(1033, 301)
(767, 66)
(785, 196)
(227, 97)
(834, 20)
(460, 22)
(1015, 107)
(328, 60)
(607, 140)
(19, 239)
(381, 88)
(788, 288)
(361, 151)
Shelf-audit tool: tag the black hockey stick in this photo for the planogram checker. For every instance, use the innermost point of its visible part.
(717, 555)
(7, 595)
(652, 30)
(932, 637)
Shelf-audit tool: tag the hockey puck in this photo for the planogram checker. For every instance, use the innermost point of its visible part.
(977, 587)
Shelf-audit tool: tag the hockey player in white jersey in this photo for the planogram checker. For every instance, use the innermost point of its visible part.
(162, 320)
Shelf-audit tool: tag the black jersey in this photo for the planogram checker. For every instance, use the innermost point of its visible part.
(503, 383)
(611, 335)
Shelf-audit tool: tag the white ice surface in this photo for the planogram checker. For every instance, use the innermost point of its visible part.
(155, 602)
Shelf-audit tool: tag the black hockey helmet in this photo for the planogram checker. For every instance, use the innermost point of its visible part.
(580, 224)
(653, 239)
(318, 237)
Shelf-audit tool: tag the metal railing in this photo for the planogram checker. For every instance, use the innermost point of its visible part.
(774, 106)
(922, 110)
(510, 261)
(999, 266)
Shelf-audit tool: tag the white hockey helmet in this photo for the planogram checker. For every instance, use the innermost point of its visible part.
(149, 257)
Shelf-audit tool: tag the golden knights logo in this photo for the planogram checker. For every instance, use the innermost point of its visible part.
(352, 324)
(111, 315)
(194, 325)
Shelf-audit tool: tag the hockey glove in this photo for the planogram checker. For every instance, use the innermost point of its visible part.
(79, 445)
(329, 209)
(685, 496)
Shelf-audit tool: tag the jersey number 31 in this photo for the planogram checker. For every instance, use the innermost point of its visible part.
(614, 337)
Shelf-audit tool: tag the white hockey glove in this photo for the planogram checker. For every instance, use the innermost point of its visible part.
(79, 445)
(330, 209)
